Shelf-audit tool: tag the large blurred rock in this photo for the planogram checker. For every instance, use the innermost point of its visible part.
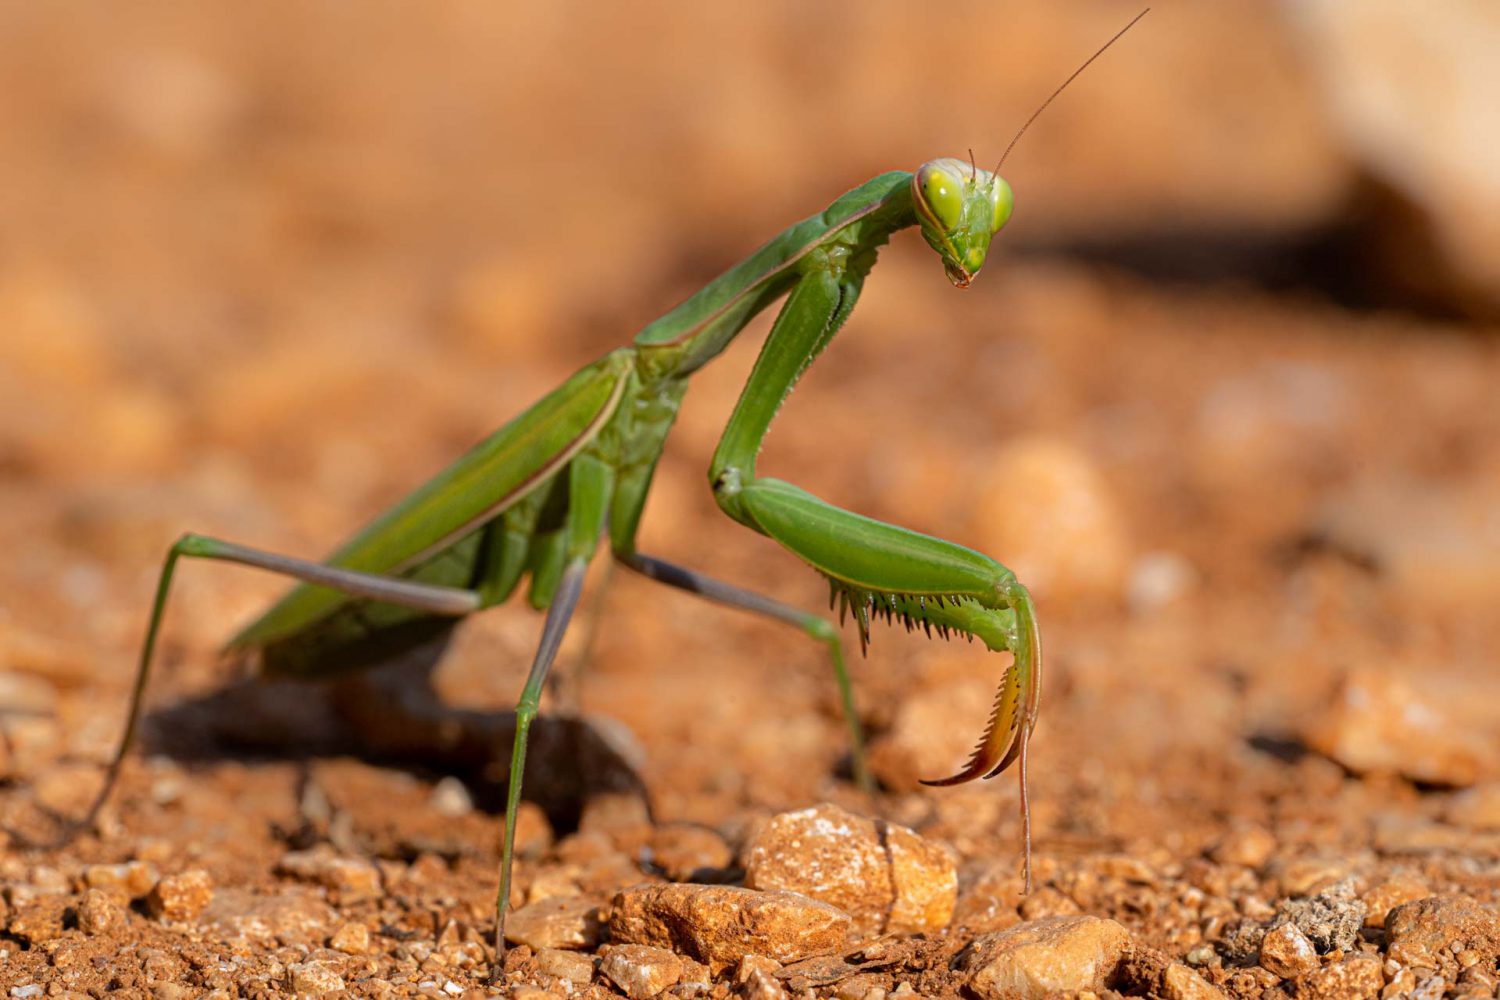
(1376, 723)
(1411, 88)
(1044, 509)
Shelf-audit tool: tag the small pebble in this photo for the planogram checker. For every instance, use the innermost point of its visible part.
(313, 978)
(99, 913)
(1305, 876)
(450, 797)
(559, 922)
(1286, 951)
(571, 966)
(1381, 899)
(686, 852)
(621, 816)
(1247, 846)
(1157, 579)
(1477, 808)
(351, 939)
(1424, 932)
(348, 880)
(886, 877)
(1050, 955)
(1070, 538)
(641, 971)
(181, 897)
(1182, 983)
(1356, 976)
(720, 924)
(755, 979)
(129, 881)
(38, 921)
(291, 916)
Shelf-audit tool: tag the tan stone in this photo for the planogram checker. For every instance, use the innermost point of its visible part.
(685, 852)
(720, 924)
(556, 922)
(1182, 983)
(39, 920)
(1406, 95)
(351, 939)
(1381, 899)
(1355, 978)
(639, 970)
(1247, 846)
(1069, 538)
(99, 913)
(1306, 876)
(181, 897)
(576, 968)
(755, 979)
(886, 877)
(128, 881)
(1428, 932)
(1286, 951)
(1477, 808)
(1377, 723)
(292, 915)
(1053, 954)
(348, 880)
(312, 979)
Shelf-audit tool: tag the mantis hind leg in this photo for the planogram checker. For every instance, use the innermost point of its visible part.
(814, 625)
(430, 598)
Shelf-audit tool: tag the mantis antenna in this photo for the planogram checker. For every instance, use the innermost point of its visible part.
(1037, 113)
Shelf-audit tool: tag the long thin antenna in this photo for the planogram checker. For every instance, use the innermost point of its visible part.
(1035, 114)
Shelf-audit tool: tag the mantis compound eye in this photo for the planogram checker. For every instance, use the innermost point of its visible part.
(1004, 202)
(941, 194)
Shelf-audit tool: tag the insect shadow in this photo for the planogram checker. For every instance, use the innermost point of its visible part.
(391, 715)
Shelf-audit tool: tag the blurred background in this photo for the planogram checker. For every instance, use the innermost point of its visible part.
(1225, 395)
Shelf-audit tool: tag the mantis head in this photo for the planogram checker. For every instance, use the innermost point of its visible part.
(960, 209)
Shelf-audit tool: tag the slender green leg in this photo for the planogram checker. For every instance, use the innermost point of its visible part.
(563, 603)
(420, 596)
(747, 600)
(565, 684)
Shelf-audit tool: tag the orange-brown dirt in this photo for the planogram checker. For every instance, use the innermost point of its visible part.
(264, 270)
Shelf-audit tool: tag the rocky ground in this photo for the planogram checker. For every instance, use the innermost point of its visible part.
(263, 276)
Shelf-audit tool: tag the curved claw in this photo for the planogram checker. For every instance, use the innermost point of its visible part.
(1003, 737)
(1008, 732)
(1016, 702)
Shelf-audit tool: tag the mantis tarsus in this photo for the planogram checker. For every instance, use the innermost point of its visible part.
(537, 496)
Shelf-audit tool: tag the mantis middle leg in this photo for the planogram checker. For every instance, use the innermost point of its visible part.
(816, 626)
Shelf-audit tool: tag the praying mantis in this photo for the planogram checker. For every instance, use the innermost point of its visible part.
(538, 496)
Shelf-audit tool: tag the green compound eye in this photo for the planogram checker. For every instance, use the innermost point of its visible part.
(1004, 201)
(943, 195)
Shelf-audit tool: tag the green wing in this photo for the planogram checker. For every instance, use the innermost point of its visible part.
(448, 530)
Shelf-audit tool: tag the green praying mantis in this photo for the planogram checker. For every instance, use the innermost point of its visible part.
(537, 496)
